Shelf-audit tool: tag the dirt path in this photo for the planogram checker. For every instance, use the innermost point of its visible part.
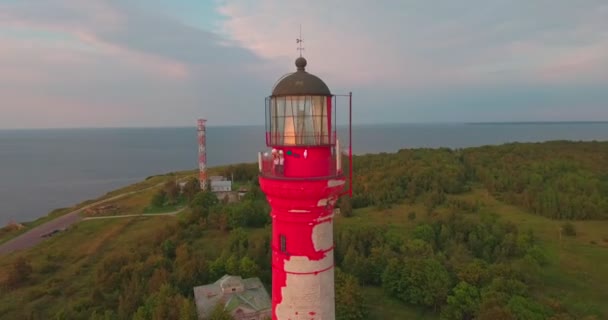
(34, 236)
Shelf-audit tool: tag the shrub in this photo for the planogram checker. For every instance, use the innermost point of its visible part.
(568, 229)
(19, 273)
(412, 215)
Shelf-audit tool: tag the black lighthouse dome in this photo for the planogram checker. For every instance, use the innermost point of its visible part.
(300, 83)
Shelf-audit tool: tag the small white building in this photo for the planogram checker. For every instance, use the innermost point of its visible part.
(221, 185)
(182, 185)
(244, 299)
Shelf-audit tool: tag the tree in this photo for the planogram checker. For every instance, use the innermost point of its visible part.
(187, 310)
(188, 269)
(346, 206)
(107, 315)
(164, 304)
(392, 281)
(130, 297)
(168, 247)
(350, 304)
(493, 309)
(463, 303)
(417, 248)
(473, 273)
(411, 215)
(232, 265)
(219, 313)
(159, 199)
(191, 188)
(524, 308)
(568, 229)
(248, 268)
(427, 282)
(217, 268)
(158, 279)
(425, 232)
(172, 191)
(203, 203)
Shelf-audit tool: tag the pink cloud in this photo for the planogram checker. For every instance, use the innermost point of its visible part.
(79, 113)
(90, 19)
(590, 62)
(166, 67)
(268, 29)
(409, 45)
(71, 85)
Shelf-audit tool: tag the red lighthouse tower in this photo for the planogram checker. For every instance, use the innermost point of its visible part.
(302, 178)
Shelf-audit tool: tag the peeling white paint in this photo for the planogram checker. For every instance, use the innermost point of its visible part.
(322, 202)
(322, 235)
(325, 218)
(301, 264)
(335, 183)
(308, 293)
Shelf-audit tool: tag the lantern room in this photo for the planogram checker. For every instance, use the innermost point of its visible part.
(299, 111)
(301, 128)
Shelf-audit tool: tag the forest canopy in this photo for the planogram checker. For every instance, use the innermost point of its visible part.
(559, 179)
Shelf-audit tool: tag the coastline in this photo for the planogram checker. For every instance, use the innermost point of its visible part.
(49, 169)
(72, 214)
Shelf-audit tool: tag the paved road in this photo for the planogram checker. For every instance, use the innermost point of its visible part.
(34, 236)
(136, 215)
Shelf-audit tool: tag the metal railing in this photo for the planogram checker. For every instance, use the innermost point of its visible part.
(277, 138)
(314, 168)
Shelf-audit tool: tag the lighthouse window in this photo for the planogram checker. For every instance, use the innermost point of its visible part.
(298, 120)
(283, 243)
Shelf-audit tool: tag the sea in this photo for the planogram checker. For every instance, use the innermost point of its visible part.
(45, 169)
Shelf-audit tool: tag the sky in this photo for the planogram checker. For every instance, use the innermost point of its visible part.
(134, 63)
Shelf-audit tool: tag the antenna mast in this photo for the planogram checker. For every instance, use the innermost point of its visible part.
(202, 153)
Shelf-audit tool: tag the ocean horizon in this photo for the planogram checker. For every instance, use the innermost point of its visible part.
(45, 169)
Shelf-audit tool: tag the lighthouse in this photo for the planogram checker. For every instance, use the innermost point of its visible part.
(302, 178)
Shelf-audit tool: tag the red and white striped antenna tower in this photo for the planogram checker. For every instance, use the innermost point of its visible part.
(202, 153)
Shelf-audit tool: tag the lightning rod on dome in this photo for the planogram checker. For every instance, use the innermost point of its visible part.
(299, 42)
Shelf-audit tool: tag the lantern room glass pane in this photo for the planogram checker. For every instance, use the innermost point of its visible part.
(299, 120)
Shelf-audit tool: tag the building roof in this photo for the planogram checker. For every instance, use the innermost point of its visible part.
(300, 83)
(224, 183)
(233, 292)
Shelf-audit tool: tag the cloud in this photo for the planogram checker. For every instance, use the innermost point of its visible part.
(111, 56)
(150, 63)
(422, 44)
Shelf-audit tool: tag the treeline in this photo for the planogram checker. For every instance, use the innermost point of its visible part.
(418, 174)
(562, 180)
